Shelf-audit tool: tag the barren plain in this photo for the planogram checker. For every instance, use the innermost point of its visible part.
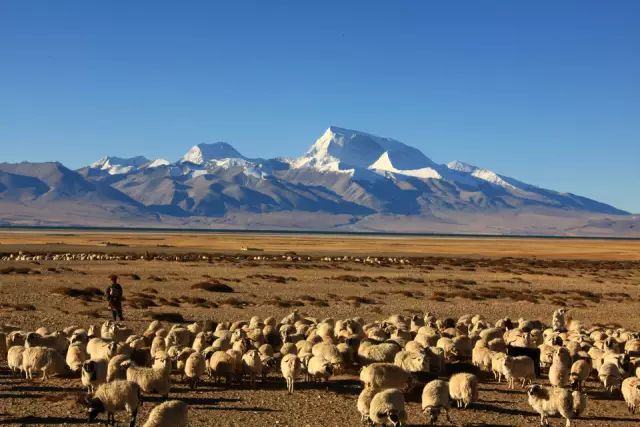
(598, 280)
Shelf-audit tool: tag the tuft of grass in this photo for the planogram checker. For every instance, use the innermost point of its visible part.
(86, 294)
(213, 287)
(168, 317)
(140, 303)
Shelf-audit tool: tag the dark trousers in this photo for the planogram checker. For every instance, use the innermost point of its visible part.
(116, 312)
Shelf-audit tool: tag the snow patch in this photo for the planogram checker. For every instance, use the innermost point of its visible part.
(203, 153)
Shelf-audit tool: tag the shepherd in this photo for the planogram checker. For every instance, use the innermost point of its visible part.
(114, 296)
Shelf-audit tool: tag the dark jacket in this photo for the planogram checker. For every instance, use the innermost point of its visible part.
(114, 295)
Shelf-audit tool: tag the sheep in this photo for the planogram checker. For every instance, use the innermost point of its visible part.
(497, 365)
(194, 368)
(560, 368)
(291, 368)
(548, 401)
(385, 375)
(463, 388)
(610, 376)
(98, 348)
(372, 352)
(76, 356)
(153, 327)
(559, 320)
(319, 369)
(520, 367)
(222, 365)
(436, 359)
(173, 413)
(94, 373)
(119, 333)
(43, 359)
(449, 347)
(330, 353)
(481, 357)
(631, 393)
(580, 371)
(55, 341)
(153, 380)
(387, 407)
(113, 397)
(364, 403)
(158, 344)
(435, 397)
(117, 368)
(252, 365)
(181, 359)
(497, 344)
(412, 362)
(14, 358)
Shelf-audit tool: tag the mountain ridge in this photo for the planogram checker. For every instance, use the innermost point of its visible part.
(345, 177)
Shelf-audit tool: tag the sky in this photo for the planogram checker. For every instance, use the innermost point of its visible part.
(547, 91)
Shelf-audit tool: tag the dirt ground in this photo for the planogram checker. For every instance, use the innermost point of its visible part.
(603, 290)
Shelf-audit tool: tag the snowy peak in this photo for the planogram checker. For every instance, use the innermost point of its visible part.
(158, 162)
(483, 174)
(352, 148)
(119, 165)
(203, 153)
(385, 164)
(461, 167)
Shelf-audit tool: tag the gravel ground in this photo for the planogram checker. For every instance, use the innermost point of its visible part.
(32, 300)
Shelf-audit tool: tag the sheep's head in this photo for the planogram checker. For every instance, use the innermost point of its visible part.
(94, 407)
(393, 417)
(535, 390)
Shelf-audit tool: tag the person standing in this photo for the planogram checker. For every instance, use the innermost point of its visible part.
(114, 297)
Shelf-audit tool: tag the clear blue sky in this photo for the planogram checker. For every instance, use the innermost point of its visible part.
(545, 91)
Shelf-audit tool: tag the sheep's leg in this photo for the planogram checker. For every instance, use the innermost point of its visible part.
(524, 382)
(446, 412)
(568, 424)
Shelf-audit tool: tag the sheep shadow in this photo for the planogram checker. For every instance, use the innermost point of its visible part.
(30, 419)
(45, 388)
(481, 406)
(20, 396)
(208, 402)
(603, 395)
(604, 418)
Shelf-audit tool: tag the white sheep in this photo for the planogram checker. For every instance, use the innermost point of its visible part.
(559, 371)
(117, 368)
(385, 375)
(559, 320)
(98, 348)
(194, 368)
(43, 359)
(463, 388)
(364, 403)
(94, 373)
(222, 365)
(76, 355)
(549, 401)
(153, 380)
(372, 352)
(14, 358)
(252, 365)
(435, 397)
(116, 396)
(631, 393)
(56, 341)
(610, 376)
(387, 407)
(580, 372)
(173, 413)
(497, 365)
(291, 369)
(518, 368)
(412, 362)
(319, 369)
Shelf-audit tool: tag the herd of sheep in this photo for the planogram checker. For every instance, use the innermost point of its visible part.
(395, 356)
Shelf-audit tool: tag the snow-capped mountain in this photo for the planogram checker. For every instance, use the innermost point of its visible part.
(203, 153)
(350, 176)
(119, 165)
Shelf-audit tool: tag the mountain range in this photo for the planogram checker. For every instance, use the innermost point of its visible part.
(346, 181)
